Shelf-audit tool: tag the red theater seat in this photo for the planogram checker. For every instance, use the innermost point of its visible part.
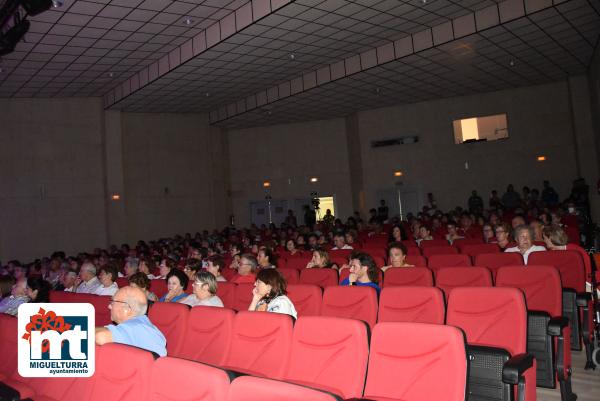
(408, 276)
(248, 388)
(436, 261)
(494, 321)
(476, 249)
(8, 346)
(159, 287)
(494, 261)
(208, 334)
(171, 319)
(412, 304)
(298, 263)
(225, 291)
(416, 260)
(452, 277)
(242, 296)
(176, 379)
(321, 277)
(292, 276)
(260, 343)
(307, 298)
(330, 354)
(433, 243)
(344, 273)
(351, 302)
(431, 358)
(438, 250)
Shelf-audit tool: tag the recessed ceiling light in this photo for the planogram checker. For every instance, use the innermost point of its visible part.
(207, 94)
(424, 2)
(397, 173)
(266, 184)
(57, 3)
(377, 91)
(314, 179)
(292, 56)
(111, 74)
(511, 62)
(188, 21)
(541, 158)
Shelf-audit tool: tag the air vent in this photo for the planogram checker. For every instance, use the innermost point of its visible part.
(404, 140)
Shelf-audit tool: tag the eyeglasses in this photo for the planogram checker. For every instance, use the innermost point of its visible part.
(198, 283)
(112, 301)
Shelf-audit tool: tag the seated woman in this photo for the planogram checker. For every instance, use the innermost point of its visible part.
(177, 283)
(6, 284)
(108, 274)
(147, 266)
(192, 266)
(556, 238)
(524, 238)
(205, 291)
(397, 256)
(18, 296)
(38, 290)
(270, 294)
(141, 281)
(502, 231)
(397, 234)
(489, 236)
(291, 249)
(246, 269)
(265, 258)
(424, 235)
(214, 266)
(452, 232)
(320, 259)
(363, 271)
(166, 265)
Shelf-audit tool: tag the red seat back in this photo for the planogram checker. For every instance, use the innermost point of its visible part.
(413, 251)
(493, 317)
(494, 261)
(461, 242)
(342, 254)
(176, 379)
(242, 296)
(307, 298)
(292, 276)
(452, 277)
(476, 249)
(228, 273)
(225, 291)
(569, 264)
(439, 250)
(433, 243)
(122, 282)
(416, 260)
(351, 302)
(159, 287)
(246, 388)
(331, 354)
(298, 263)
(62, 296)
(8, 345)
(345, 273)
(208, 335)
(408, 276)
(101, 303)
(433, 358)
(260, 343)
(375, 251)
(171, 319)
(320, 277)
(436, 261)
(411, 304)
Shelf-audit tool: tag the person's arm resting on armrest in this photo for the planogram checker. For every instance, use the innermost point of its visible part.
(103, 336)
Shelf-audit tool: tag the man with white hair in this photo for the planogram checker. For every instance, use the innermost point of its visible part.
(524, 237)
(128, 309)
(88, 282)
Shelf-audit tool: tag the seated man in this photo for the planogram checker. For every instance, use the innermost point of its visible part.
(524, 237)
(18, 296)
(340, 242)
(246, 270)
(363, 271)
(88, 282)
(128, 309)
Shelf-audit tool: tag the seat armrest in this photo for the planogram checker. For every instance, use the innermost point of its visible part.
(556, 325)
(583, 298)
(515, 367)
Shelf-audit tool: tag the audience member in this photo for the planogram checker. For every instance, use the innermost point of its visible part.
(177, 283)
(549, 195)
(524, 238)
(18, 296)
(488, 233)
(87, 282)
(396, 256)
(38, 290)
(270, 294)
(128, 309)
(424, 235)
(502, 231)
(320, 259)
(363, 271)
(538, 229)
(265, 258)
(141, 281)
(452, 232)
(246, 269)
(6, 284)
(205, 291)
(108, 274)
(68, 281)
(192, 266)
(339, 242)
(214, 266)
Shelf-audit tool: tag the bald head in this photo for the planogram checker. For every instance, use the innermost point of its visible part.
(128, 302)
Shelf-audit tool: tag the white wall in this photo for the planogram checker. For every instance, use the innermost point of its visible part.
(51, 177)
(287, 156)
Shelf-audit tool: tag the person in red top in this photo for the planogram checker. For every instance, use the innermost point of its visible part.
(246, 270)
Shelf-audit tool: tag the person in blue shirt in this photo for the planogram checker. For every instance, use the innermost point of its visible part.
(177, 282)
(128, 309)
(363, 271)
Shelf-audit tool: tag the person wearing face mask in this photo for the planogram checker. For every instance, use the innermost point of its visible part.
(524, 237)
(18, 296)
(177, 282)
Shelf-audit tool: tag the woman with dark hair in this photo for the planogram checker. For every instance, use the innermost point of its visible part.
(270, 294)
(141, 281)
(397, 234)
(177, 282)
(6, 283)
(38, 290)
(265, 258)
(396, 256)
(108, 274)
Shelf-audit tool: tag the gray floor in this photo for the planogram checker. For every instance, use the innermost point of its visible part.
(586, 383)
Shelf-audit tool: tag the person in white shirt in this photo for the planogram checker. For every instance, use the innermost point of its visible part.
(205, 291)
(524, 237)
(270, 294)
(87, 281)
(108, 274)
(68, 281)
(339, 242)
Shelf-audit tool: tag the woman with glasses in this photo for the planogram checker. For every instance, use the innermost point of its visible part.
(270, 294)
(503, 235)
(108, 274)
(205, 291)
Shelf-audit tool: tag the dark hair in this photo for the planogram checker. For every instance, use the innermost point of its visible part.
(6, 283)
(43, 288)
(269, 254)
(140, 280)
(181, 276)
(367, 260)
(110, 269)
(277, 282)
(217, 260)
(193, 264)
(398, 245)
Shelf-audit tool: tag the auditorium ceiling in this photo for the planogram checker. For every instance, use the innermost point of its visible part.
(260, 62)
